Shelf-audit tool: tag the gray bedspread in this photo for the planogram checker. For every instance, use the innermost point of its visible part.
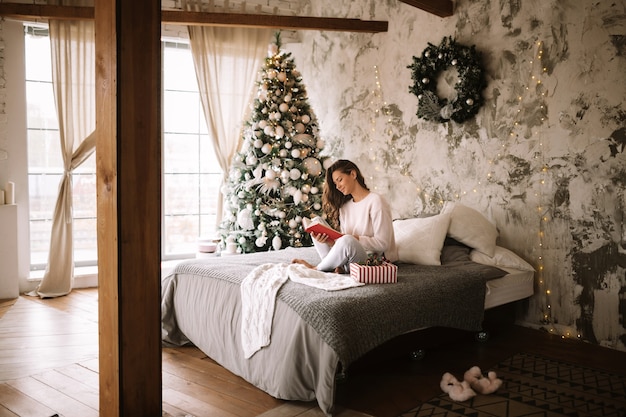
(354, 321)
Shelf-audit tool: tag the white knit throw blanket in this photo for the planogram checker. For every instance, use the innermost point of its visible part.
(258, 297)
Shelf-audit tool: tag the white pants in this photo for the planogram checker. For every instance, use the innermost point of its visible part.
(346, 249)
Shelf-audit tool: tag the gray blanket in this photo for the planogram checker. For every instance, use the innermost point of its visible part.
(356, 320)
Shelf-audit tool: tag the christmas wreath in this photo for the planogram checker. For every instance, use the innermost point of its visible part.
(471, 81)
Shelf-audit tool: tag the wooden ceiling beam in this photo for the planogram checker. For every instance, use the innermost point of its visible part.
(441, 8)
(21, 11)
(273, 21)
(33, 11)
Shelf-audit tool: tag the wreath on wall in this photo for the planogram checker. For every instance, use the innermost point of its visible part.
(426, 70)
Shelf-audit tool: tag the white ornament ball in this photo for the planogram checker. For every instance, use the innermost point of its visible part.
(287, 98)
(299, 128)
(269, 130)
(313, 166)
(281, 214)
(314, 190)
(277, 115)
(282, 153)
(305, 198)
(306, 188)
(288, 145)
(469, 101)
(284, 175)
(294, 174)
(320, 143)
(425, 80)
(454, 62)
(270, 174)
(244, 219)
(295, 153)
(317, 206)
(260, 241)
(306, 119)
(293, 224)
(279, 132)
(277, 243)
(283, 107)
(251, 160)
(242, 240)
(258, 143)
(267, 148)
(427, 54)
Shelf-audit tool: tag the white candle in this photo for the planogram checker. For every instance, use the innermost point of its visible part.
(9, 193)
(1, 197)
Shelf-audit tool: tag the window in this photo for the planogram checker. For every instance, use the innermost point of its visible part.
(45, 164)
(191, 174)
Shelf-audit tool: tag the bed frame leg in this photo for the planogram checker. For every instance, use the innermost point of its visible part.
(482, 336)
(417, 355)
(341, 377)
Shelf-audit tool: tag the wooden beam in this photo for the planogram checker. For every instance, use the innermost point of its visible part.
(441, 8)
(21, 11)
(128, 179)
(31, 11)
(273, 21)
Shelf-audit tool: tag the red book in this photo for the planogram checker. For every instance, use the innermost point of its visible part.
(318, 225)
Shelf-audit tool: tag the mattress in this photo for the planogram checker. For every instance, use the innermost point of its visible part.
(514, 286)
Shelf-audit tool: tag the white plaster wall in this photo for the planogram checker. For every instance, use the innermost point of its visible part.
(13, 140)
(545, 161)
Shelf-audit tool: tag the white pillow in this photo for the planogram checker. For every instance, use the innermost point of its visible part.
(419, 240)
(503, 258)
(470, 227)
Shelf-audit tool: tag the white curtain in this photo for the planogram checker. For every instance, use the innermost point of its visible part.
(73, 76)
(227, 61)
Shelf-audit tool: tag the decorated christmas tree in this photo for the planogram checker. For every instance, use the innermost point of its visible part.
(277, 177)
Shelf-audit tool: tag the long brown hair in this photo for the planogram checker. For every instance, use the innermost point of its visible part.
(332, 198)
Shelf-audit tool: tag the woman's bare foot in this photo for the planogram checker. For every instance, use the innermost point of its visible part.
(302, 262)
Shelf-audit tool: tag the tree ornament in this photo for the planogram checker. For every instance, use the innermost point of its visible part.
(295, 174)
(468, 89)
(277, 243)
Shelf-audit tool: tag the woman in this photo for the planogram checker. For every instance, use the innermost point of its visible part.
(362, 216)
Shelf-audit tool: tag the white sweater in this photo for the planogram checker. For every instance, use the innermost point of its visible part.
(370, 219)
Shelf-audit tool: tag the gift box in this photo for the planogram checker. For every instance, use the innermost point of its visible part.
(375, 274)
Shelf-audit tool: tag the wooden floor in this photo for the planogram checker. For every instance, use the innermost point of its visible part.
(49, 365)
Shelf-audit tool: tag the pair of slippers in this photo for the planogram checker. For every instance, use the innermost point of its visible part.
(474, 382)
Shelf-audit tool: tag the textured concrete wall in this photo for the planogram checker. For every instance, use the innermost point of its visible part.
(544, 158)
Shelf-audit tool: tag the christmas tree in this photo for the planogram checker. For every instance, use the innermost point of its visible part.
(277, 177)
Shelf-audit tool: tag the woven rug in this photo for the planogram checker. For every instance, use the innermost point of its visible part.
(537, 386)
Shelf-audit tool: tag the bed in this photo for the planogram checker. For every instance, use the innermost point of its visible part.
(316, 334)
